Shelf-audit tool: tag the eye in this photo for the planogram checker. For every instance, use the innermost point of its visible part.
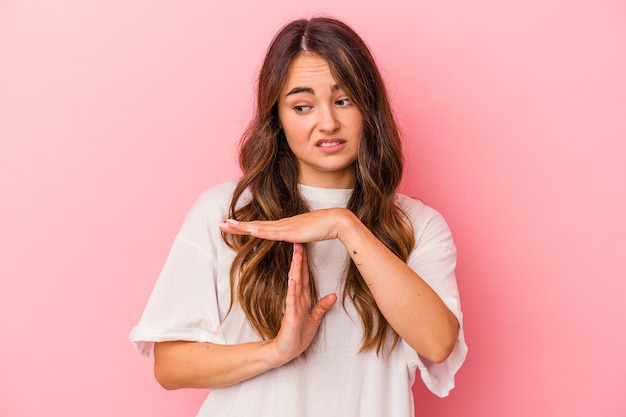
(343, 102)
(301, 109)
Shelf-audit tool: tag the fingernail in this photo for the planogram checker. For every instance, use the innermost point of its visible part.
(223, 225)
(232, 221)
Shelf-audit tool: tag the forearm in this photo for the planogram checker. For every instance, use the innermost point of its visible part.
(409, 304)
(205, 365)
(182, 364)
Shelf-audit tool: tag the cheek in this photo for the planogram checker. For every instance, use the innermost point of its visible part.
(358, 120)
(295, 128)
(354, 120)
(292, 133)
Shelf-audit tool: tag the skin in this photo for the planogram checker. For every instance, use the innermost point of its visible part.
(183, 364)
(315, 111)
(314, 108)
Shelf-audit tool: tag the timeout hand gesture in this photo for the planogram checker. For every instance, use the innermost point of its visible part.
(300, 323)
(314, 226)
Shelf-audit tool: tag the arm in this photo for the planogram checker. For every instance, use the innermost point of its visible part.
(408, 303)
(181, 364)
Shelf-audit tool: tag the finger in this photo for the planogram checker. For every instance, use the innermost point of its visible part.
(322, 306)
(295, 270)
(284, 229)
(290, 300)
(229, 226)
(305, 269)
(293, 309)
(261, 230)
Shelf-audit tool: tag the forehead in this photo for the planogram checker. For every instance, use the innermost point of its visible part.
(308, 70)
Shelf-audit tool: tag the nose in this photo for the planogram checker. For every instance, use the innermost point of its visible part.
(327, 121)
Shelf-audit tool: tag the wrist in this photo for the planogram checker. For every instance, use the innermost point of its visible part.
(347, 224)
(269, 354)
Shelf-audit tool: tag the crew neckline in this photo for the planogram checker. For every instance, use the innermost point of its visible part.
(319, 197)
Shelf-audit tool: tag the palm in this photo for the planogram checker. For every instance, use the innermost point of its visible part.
(300, 322)
(307, 227)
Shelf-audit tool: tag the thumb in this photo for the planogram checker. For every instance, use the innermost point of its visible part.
(323, 306)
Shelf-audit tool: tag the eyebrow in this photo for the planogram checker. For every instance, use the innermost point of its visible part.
(309, 90)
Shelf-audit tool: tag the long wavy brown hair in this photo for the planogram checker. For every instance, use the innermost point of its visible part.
(271, 173)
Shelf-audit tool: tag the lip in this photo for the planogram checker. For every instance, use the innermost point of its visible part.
(330, 145)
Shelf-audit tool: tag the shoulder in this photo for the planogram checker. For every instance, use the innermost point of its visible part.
(428, 224)
(209, 209)
(217, 194)
(220, 195)
(416, 210)
(211, 206)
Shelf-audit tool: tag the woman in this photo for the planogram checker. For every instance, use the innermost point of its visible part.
(237, 307)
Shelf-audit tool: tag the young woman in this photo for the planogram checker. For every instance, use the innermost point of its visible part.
(310, 287)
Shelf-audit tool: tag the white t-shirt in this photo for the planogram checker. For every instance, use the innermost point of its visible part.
(192, 296)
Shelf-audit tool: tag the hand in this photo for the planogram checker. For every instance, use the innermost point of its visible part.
(300, 323)
(308, 227)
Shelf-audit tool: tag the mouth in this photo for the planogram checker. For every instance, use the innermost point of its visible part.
(328, 143)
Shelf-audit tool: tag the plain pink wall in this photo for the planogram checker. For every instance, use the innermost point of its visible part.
(115, 115)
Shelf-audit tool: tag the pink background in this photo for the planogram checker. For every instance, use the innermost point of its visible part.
(115, 115)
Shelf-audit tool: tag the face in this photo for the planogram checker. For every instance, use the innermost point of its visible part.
(321, 123)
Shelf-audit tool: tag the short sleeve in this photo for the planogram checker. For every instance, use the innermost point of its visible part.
(434, 260)
(184, 301)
